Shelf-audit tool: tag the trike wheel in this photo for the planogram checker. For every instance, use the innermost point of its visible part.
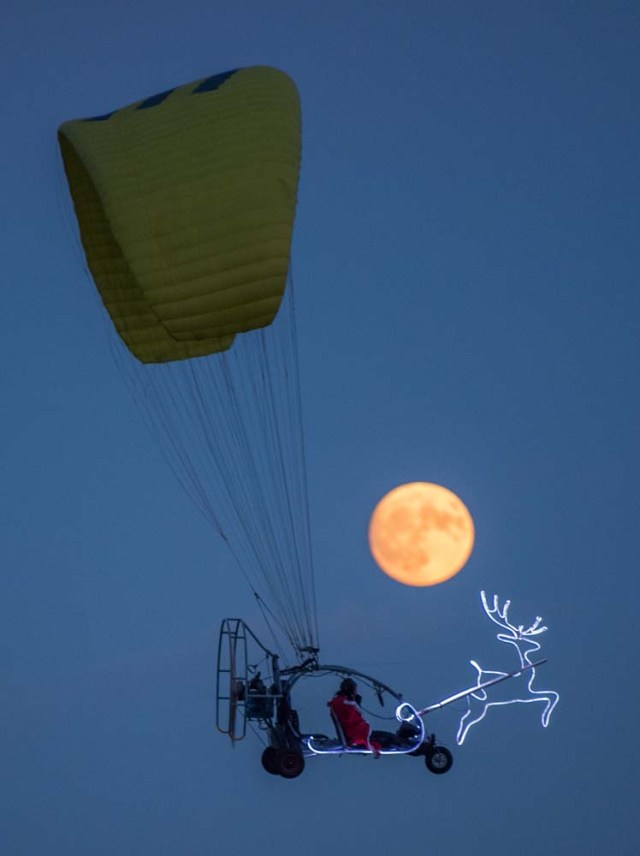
(290, 763)
(270, 760)
(438, 760)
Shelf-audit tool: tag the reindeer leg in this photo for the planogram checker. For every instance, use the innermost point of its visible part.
(552, 699)
(464, 729)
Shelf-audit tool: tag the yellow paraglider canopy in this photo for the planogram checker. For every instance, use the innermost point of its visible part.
(186, 202)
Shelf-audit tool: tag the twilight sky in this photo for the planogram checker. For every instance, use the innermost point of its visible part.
(466, 255)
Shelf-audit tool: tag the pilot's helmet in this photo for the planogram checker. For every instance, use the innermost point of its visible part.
(348, 687)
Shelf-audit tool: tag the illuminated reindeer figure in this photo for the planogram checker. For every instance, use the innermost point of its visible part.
(525, 645)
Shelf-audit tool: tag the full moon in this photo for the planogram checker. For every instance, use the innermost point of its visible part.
(421, 534)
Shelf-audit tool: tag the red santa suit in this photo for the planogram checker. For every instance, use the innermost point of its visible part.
(356, 728)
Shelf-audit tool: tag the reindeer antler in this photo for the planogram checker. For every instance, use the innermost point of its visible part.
(497, 615)
(534, 629)
(501, 618)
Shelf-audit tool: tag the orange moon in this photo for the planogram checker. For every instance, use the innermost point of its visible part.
(421, 534)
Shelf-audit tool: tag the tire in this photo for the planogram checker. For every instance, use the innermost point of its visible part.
(290, 763)
(438, 760)
(270, 761)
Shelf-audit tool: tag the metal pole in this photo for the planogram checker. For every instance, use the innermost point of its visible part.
(475, 689)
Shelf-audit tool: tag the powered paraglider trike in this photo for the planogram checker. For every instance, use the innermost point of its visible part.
(263, 698)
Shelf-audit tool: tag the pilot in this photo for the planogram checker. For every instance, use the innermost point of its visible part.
(346, 707)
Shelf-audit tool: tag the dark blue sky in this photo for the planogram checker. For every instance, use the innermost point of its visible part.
(466, 259)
